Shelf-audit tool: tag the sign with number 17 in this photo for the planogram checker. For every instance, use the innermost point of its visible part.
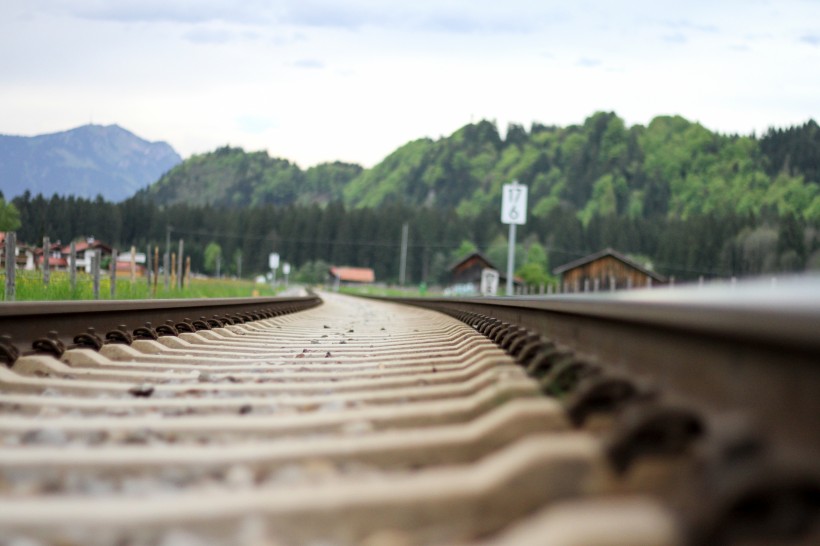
(514, 204)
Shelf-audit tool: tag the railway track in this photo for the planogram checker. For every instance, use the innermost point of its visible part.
(348, 421)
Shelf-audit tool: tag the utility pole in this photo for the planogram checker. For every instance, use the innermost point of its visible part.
(403, 259)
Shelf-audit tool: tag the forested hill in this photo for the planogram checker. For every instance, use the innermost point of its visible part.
(234, 178)
(671, 168)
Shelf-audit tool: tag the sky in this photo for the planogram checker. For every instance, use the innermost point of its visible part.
(317, 80)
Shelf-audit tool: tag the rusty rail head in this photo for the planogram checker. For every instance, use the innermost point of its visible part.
(49, 325)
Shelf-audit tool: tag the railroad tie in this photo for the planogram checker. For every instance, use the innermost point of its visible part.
(355, 422)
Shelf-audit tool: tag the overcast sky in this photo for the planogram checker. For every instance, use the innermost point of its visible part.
(317, 80)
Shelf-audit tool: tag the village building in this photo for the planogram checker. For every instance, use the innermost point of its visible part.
(56, 260)
(345, 275)
(84, 251)
(605, 270)
(24, 256)
(31, 258)
(465, 275)
(125, 262)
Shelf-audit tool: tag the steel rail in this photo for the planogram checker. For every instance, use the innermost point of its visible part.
(750, 350)
(23, 324)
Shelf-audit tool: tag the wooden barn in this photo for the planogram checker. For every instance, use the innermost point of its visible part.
(605, 270)
(467, 271)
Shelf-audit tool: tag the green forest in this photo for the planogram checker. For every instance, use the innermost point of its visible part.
(673, 194)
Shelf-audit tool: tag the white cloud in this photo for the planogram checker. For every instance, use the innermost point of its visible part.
(811, 39)
(313, 81)
(308, 63)
(254, 124)
(588, 62)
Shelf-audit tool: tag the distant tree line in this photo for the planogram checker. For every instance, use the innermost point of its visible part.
(311, 237)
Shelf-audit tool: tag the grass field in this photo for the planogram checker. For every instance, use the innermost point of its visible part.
(30, 287)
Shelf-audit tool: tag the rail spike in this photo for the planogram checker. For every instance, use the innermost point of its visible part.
(8, 352)
(89, 339)
(119, 335)
(50, 344)
(652, 429)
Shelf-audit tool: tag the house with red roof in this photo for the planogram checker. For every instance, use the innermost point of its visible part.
(24, 255)
(84, 250)
(56, 260)
(352, 275)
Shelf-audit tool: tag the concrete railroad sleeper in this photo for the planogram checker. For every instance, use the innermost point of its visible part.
(351, 421)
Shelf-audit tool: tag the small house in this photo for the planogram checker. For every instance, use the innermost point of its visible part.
(351, 275)
(56, 260)
(125, 262)
(605, 270)
(84, 250)
(465, 275)
(24, 255)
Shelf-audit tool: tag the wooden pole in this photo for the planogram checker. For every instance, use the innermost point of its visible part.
(133, 264)
(149, 267)
(187, 272)
(180, 262)
(173, 268)
(156, 269)
(10, 255)
(46, 255)
(96, 258)
(112, 273)
(167, 256)
(72, 266)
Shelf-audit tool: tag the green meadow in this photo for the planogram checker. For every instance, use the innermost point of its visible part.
(30, 287)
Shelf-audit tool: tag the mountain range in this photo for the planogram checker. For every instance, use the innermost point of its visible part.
(87, 161)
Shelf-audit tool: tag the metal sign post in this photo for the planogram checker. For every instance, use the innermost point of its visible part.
(286, 272)
(273, 263)
(514, 213)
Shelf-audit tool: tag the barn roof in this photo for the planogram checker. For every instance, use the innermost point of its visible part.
(481, 257)
(614, 254)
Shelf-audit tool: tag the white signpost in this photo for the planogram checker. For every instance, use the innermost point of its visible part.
(273, 263)
(286, 272)
(514, 213)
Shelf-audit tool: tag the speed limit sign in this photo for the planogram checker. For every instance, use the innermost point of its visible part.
(514, 204)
